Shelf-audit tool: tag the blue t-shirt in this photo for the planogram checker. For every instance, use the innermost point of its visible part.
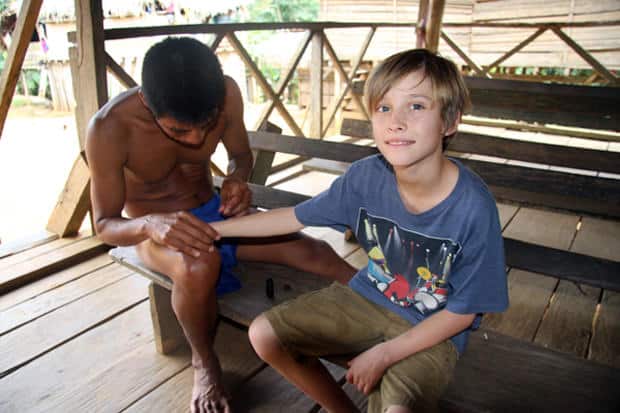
(451, 256)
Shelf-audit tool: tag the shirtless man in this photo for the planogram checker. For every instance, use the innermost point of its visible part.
(148, 151)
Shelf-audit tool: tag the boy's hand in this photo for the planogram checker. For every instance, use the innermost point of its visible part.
(235, 197)
(181, 231)
(366, 369)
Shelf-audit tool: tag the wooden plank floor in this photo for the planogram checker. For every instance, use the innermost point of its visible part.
(80, 339)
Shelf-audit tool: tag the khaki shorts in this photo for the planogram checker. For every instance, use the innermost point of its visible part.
(338, 321)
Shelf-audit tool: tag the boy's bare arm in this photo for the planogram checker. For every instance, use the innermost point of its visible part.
(263, 224)
(366, 369)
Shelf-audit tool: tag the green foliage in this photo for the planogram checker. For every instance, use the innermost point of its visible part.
(284, 10)
(4, 4)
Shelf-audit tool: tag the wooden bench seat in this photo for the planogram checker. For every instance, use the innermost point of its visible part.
(497, 373)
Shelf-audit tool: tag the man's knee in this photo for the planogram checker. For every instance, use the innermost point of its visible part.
(263, 338)
(197, 274)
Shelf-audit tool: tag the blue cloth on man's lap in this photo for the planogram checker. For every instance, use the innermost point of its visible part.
(227, 282)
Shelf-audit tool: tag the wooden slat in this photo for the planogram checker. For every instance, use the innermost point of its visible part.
(26, 243)
(506, 213)
(605, 343)
(310, 148)
(238, 361)
(269, 392)
(316, 85)
(538, 181)
(567, 325)
(243, 305)
(597, 272)
(56, 260)
(42, 286)
(38, 337)
(49, 301)
(110, 367)
(583, 106)
(579, 158)
(529, 295)
(545, 228)
(503, 374)
(466, 142)
(598, 238)
(38, 251)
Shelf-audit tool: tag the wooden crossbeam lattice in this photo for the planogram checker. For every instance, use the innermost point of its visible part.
(348, 78)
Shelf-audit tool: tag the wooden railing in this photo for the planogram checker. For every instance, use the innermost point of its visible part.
(315, 35)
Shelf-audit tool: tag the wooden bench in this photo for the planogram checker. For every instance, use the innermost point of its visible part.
(497, 373)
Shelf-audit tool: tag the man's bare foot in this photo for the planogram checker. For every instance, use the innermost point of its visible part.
(208, 395)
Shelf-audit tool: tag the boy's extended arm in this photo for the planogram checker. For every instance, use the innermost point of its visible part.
(366, 369)
(263, 224)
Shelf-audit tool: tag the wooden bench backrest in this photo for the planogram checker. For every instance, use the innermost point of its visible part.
(592, 107)
(552, 188)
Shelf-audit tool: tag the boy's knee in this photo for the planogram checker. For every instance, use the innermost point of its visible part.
(263, 338)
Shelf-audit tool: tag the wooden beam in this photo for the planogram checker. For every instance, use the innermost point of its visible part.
(73, 202)
(515, 49)
(247, 59)
(422, 22)
(119, 73)
(295, 58)
(596, 65)
(316, 86)
(348, 78)
(464, 56)
(434, 24)
(89, 66)
(26, 23)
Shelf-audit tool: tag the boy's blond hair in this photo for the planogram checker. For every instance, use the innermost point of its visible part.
(449, 89)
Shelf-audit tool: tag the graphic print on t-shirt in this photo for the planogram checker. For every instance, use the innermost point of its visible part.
(409, 268)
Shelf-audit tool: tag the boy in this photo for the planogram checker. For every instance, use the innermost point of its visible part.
(148, 151)
(432, 233)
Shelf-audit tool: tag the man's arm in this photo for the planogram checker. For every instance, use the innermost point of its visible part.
(235, 194)
(274, 222)
(366, 369)
(106, 155)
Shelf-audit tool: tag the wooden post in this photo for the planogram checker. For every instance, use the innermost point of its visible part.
(316, 85)
(26, 22)
(88, 70)
(166, 328)
(89, 67)
(433, 28)
(420, 31)
(73, 202)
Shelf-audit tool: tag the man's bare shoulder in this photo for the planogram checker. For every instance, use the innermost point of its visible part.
(115, 119)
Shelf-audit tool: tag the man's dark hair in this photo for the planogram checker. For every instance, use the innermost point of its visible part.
(182, 78)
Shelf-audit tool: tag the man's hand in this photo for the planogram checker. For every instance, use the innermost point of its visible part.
(181, 231)
(366, 369)
(235, 197)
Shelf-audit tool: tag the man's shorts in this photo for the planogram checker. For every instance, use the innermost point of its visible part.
(338, 321)
(227, 282)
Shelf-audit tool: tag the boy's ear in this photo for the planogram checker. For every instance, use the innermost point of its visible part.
(451, 130)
